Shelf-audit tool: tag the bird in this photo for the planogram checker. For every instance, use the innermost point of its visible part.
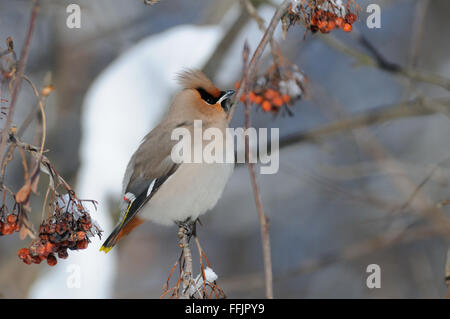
(155, 187)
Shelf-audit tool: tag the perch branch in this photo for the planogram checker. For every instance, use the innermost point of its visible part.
(183, 236)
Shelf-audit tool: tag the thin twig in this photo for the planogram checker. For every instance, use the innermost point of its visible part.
(257, 196)
(18, 81)
(247, 76)
(447, 273)
(41, 108)
(379, 62)
(374, 116)
(183, 237)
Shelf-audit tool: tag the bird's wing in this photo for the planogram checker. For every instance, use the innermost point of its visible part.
(149, 167)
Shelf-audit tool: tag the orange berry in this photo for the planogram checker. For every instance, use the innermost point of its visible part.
(243, 97)
(286, 98)
(339, 22)
(41, 250)
(11, 219)
(22, 253)
(258, 99)
(49, 247)
(331, 25)
(314, 21)
(82, 244)
(237, 85)
(63, 254)
(269, 94)
(348, 27)
(350, 18)
(278, 101)
(51, 260)
(252, 96)
(86, 226)
(7, 229)
(81, 235)
(322, 24)
(266, 106)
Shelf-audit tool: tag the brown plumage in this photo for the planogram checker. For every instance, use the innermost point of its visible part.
(133, 223)
(167, 192)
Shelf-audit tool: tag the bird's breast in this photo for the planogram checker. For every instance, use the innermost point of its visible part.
(192, 190)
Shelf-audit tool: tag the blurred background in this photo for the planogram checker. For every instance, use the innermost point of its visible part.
(353, 197)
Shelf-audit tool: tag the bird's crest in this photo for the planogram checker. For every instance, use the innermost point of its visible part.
(196, 79)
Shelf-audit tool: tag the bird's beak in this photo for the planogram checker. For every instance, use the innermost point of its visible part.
(224, 100)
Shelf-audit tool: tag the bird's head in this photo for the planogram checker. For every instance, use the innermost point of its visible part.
(205, 91)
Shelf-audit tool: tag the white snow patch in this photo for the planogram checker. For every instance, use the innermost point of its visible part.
(210, 276)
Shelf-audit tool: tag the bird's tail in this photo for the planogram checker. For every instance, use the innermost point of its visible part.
(111, 240)
(119, 232)
(127, 223)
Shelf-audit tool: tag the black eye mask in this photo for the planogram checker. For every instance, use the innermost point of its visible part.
(208, 98)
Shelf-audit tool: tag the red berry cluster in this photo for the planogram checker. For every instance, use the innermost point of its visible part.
(59, 233)
(267, 98)
(326, 21)
(10, 226)
(278, 88)
(322, 15)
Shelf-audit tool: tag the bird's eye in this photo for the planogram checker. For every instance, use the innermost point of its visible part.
(208, 98)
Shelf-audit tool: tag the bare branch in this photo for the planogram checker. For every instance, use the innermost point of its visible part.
(375, 116)
(20, 71)
(379, 62)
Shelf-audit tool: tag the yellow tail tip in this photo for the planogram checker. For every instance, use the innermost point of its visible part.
(105, 249)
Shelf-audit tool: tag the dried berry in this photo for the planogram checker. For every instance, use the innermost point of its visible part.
(49, 247)
(286, 98)
(82, 244)
(51, 260)
(258, 99)
(11, 219)
(266, 106)
(348, 27)
(63, 254)
(339, 22)
(7, 229)
(278, 101)
(68, 228)
(323, 15)
(22, 253)
(350, 18)
(81, 235)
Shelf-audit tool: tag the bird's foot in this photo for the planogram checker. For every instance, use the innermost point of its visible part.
(186, 228)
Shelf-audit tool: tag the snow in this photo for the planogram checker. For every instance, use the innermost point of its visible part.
(210, 276)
